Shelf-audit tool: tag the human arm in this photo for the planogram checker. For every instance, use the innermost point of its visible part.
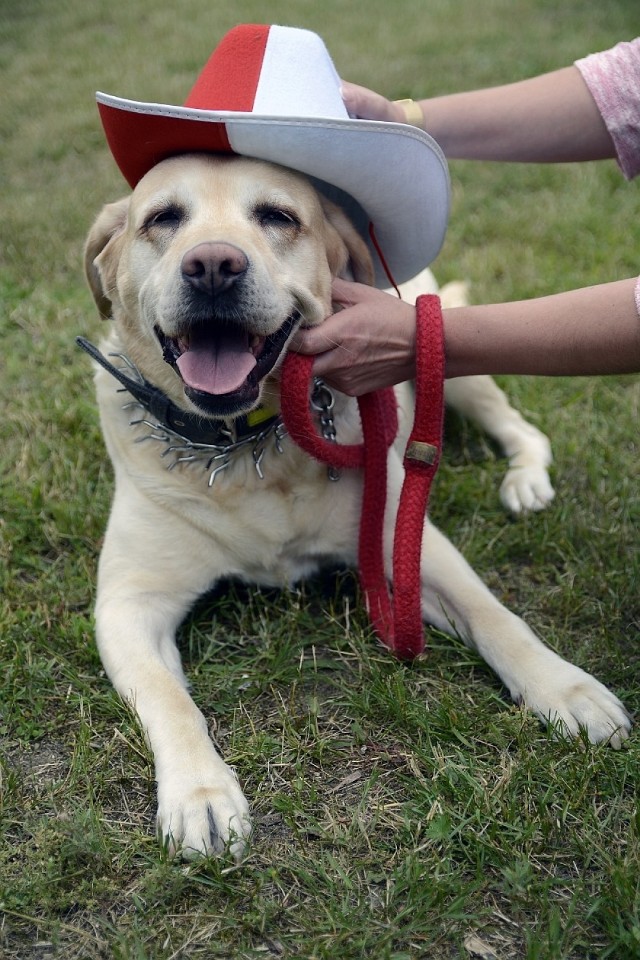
(370, 343)
(589, 331)
(549, 118)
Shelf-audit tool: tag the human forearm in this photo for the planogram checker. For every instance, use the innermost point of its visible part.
(549, 118)
(594, 330)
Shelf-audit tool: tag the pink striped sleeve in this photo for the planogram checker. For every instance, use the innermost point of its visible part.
(613, 78)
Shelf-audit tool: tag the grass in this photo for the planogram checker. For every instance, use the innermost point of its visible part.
(400, 811)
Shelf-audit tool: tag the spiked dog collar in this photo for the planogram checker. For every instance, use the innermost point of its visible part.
(191, 427)
(189, 438)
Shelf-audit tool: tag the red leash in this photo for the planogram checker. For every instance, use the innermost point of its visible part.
(397, 621)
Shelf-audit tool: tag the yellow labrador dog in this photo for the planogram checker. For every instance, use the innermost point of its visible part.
(206, 271)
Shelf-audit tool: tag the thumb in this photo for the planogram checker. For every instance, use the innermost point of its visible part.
(346, 293)
(349, 93)
(310, 342)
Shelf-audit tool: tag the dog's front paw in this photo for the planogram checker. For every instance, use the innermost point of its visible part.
(196, 819)
(526, 488)
(574, 700)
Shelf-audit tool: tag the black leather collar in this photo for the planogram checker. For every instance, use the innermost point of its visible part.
(191, 426)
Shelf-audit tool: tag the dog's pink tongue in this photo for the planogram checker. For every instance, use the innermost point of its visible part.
(217, 364)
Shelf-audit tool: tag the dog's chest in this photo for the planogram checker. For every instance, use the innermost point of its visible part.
(278, 530)
(271, 526)
(272, 530)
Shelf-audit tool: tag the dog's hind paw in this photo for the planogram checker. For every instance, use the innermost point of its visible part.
(202, 821)
(526, 488)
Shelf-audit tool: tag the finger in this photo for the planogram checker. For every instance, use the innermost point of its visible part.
(311, 342)
(342, 286)
(350, 96)
(324, 363)
(367, 104)
(347, 293)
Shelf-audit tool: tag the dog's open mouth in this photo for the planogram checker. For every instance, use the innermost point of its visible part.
(222, 365)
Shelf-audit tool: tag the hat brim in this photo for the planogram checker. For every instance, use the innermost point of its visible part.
(396, 174)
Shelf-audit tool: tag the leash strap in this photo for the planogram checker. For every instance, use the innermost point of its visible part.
(297, 417)
(397, 621)
(421, 460)
(379, 416)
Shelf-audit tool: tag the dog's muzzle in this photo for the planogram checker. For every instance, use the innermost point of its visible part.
(222, 364)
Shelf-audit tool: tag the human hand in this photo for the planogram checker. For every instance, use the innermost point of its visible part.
(368, 344)
(368, 105)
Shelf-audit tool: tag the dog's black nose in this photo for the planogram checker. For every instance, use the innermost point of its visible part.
(214, 267)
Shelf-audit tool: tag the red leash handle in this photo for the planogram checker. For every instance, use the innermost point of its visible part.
(421, 460)
(397, 622)
(374, 407)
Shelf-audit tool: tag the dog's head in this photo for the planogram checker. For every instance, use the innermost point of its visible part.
(210, 266)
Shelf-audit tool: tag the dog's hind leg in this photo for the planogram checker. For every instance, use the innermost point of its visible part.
(455, 600)
(526, 485)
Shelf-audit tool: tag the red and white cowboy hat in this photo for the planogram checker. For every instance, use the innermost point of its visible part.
(273, 93)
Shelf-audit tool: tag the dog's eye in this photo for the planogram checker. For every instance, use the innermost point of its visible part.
(276, 217)
(166, 217)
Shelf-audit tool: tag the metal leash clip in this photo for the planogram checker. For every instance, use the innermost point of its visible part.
(322, 401)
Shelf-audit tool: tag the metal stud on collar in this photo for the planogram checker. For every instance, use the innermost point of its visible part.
(215, 456)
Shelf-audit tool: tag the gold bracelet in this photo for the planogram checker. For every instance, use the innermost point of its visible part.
(412, 112)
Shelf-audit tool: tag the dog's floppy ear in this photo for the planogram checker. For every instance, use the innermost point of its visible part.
(348, 254)
(101, 253)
